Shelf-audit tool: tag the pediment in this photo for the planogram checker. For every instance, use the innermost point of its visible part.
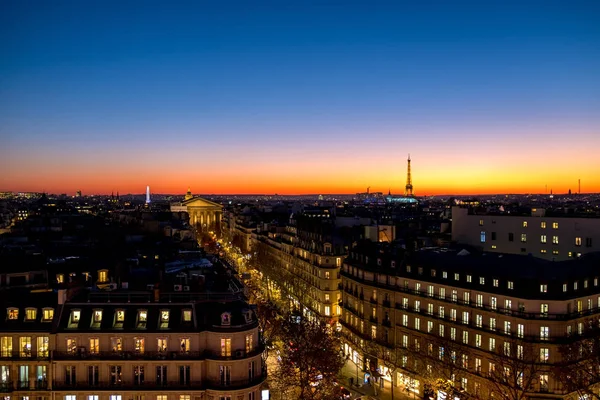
(200, 202)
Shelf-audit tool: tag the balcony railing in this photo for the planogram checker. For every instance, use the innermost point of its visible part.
(21, 355)
(156, 355)
(10, 386)
(215, 384)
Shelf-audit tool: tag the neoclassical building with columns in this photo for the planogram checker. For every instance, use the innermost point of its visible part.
(202, 212)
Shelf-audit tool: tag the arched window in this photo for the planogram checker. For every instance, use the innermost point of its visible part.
(226, 318)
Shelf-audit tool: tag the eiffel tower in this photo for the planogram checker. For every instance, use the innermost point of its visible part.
(408, 191)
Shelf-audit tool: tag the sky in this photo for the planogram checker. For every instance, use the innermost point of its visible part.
(297, 97)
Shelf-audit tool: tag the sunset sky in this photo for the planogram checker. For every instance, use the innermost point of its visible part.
(296, 97)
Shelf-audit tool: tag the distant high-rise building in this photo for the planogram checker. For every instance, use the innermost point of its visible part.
(147, 194)
(78, 193)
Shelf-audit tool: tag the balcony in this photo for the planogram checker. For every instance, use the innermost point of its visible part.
(129, 355)
(387, 322)
(152, 385)
(386, 303)
(19, 355)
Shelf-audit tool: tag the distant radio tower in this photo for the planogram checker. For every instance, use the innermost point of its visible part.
(147, 194)
(409, 187)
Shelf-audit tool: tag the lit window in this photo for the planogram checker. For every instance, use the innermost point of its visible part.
(71, 345)
(523, 237)
(469, 278)
(25, 346)
(142, 319)
(225, 347)
(103, 275)
(543, 224)
(543, 251)
(187, 315)
(482, 236)
(445, 275)
(494, 246)
(481, 280)
(116, 344)
(162, 344)
(555, 239)
(480, 222)
(524, 224)
(544, 332)
(511, 285)
(13, 313)
(575, 285)
(164, 318)
(543, 239)
(47, 314)
(544, 355)
(543, 288)
(577, 241)
(555, 252)
(60, 278)
(97, 316)
(30, 314)
(495, 282)
(75, 315)
(555, 225)
(139, 345)
(564, 287)
(456, 277)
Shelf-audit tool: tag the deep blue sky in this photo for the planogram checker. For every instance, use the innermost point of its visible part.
(87, 79)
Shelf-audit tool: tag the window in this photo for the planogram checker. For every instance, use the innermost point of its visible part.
(507, 330)
(103, 275)
(544, 354)
(161, 375)
(138, 374)
(116, 344)
(97, 316)
(523, 237)
(42, 346)
(71, 345)
(75, 316)
(588, 242)
(120, 317)
(70, 397)
(161, 397)
(543, 225)
(441, 329)
(492, 324)
(479, 300)
(478, 321)
(225, 347)
(508, 304)
(70, 375)
(477, 340)
(544, 383)
(510, 285)
(13, 313)
(543, 288)
(115, 397)
(511, 237)
(25, 346)
(184, 345)
(225, 319)
(116, 375)
(139, 345)
(524, 224)
(6, 346)
(417, 324)
(493, 303)
(480, 222)
(465, 317)
(482, 236)
(554, 239)
(555, 225)
(441, 312)
(456, 277)
(142, 319)
(94, 345)
(47, 314)
(92, 397)
(520, 331)
(465, 337)
(327, 311)
(164, 319)
(481, 280)
(469, 278)
(249, 343)
(452, 333)
(30, 314)
(507, 349)
(564, 287)
(543, 239)
(445, 275)
(492, 344)
(544, 332)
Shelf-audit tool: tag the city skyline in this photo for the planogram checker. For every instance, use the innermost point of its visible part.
(300, 99)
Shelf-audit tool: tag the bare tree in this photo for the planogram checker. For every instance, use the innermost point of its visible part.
(310, 359)
(579, 368)
(514, 370)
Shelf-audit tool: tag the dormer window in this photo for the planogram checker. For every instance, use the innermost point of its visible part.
(142, 319)
(30, 314)
(97, 316)
(248, 316)
(47, 314)
(226, 319)
(103, 275)
(13, 313)
(74, 320)
(187, 315)
(164, 319)
(119, 318)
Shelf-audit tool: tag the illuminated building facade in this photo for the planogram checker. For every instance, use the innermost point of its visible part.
(464, 318)
(551, 237)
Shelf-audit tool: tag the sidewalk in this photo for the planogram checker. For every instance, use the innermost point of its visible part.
(349, 371)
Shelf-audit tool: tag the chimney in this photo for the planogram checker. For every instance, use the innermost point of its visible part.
(62, 296)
